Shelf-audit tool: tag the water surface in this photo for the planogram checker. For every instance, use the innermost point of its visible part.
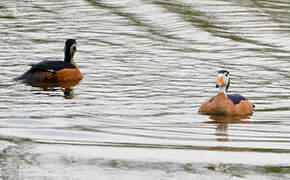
(148, 66)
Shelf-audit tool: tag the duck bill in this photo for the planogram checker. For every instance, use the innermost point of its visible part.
(220, 82)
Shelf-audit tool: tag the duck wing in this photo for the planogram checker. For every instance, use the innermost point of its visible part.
(236, 98)
(51, 66)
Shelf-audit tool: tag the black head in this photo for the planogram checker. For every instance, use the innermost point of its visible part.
(69, 49)
(70, 42)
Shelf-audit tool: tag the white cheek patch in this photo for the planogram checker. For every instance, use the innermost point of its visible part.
(73, 48)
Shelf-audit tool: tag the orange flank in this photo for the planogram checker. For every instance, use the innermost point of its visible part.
(68, 75)
(221, 105)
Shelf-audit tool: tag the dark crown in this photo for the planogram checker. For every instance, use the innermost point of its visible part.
(224, 72)
(70, 42)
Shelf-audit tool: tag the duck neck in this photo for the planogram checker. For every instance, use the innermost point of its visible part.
(223, 89)
(68, 57)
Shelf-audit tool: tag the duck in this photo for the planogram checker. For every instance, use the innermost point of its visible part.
(224, 103)
(55, 71)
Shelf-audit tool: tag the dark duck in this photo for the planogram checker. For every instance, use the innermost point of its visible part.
(55, 71)
(226, 104)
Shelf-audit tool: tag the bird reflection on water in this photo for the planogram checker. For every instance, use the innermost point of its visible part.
(223, 122)
(65, 86)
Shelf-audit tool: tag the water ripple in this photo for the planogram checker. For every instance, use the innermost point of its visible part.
(148, 66)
